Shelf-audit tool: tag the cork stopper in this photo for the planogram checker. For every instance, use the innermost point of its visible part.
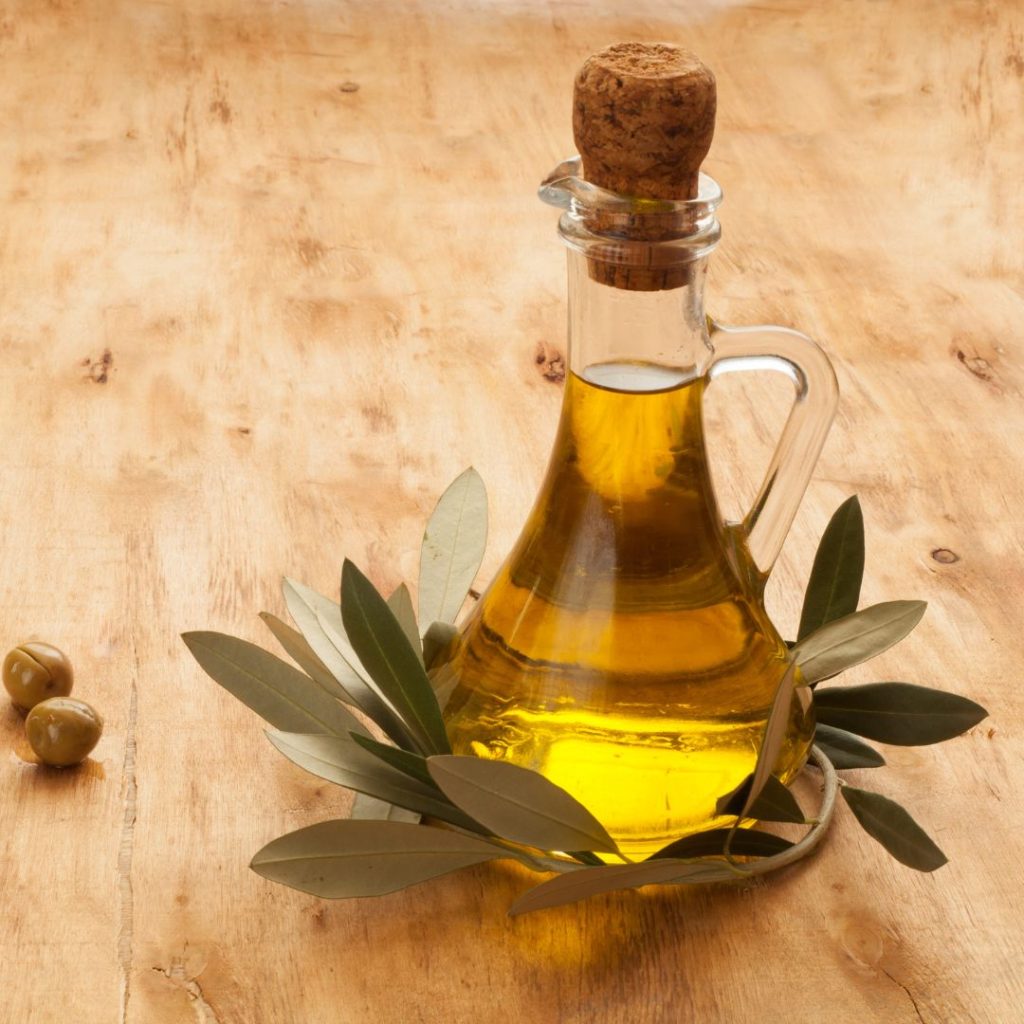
(643, 119)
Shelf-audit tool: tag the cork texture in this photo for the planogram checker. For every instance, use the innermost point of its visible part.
(643, 119)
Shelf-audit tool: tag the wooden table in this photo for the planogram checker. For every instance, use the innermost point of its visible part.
(271, 274)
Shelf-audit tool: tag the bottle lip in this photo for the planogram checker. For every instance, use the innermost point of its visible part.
(566, 188)
(650, 236)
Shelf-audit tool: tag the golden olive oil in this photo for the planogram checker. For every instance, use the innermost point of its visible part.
(623, 650)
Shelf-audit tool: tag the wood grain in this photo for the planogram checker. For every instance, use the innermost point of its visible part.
(271, 274)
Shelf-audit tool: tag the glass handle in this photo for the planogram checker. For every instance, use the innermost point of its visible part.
(781, 350)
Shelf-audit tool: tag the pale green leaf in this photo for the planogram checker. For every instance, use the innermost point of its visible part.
(585, 882)
(343, 859)
(411, 764)
(437, 643)
(400, 603)
(898, 713)
(834, 587)
(856, 638)
(344, 762)
(385, 652)
(444, 680)
(746, 794)
(774, 733)
(453, 548)
(298, 649)
(319, 619)
(373, 701)
(369, 808)
(890, 824)
(519, 804)
(311, 611)
(278, 692)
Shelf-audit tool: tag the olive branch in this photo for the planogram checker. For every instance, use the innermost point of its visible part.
(421, 811)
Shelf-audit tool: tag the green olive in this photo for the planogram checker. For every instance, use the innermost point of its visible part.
(62, 730)
(35, 672)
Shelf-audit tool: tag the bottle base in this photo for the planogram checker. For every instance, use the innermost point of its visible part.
(647, 788)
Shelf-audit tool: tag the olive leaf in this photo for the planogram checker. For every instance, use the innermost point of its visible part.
(845, 750)
(898, 713)
(444, 681)
(321, 623)
(745, 843)
(579, 884)
(519, 804)
(890, 824)
(297, 648)
(388, 657)
(278, 692)
(369, 808)
(775, 802)
(341, 760)
(368, 653)
(437, 643)
(413, 765)
(342, 859)
(453, 548)
(856, 638)
(311, 612)
(746, 793)
(735, 801)
(400, 603)
(834, 586)
(586, 857)
(372, 700)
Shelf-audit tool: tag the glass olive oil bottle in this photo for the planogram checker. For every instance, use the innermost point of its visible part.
(623, 649)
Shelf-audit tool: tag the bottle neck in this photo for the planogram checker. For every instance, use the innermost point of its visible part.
(656, 330)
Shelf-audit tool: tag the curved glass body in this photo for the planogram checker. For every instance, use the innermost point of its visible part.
(623, 649)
